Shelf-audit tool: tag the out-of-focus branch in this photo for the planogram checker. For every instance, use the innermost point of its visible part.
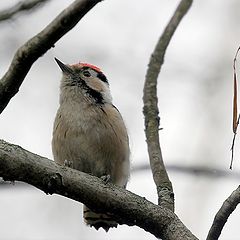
(222, 215)
(150, 109)
(199, 171)
(193, 170)
(38, 45)
(128, 208)
(20, 7)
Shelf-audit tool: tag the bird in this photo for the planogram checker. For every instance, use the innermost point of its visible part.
(89, 133)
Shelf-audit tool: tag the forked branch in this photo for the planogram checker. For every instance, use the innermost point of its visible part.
(17, 164)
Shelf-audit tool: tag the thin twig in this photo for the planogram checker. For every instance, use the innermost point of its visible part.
(150, 109)
(38, 45)
(233, 143)
(235, 93)
(222, 215)
(20, 7)
(236, 116)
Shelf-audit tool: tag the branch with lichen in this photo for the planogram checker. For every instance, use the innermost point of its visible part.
(18, 164)
(150, 109)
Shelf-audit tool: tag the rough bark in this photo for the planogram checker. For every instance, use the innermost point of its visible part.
(150, 109)
(17, 164)
(223, 214)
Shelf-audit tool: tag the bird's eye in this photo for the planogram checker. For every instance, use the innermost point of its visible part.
(86, 74)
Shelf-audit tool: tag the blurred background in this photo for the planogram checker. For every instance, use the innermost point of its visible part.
(195, 103)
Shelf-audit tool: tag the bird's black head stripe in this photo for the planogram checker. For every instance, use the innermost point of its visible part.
(102, 77)
(97, 96)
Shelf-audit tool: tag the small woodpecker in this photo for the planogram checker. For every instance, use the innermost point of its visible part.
(89, 133)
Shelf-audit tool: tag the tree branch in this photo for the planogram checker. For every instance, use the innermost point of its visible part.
(150, 109)
(197, 171)
(38, 45)
(222, 215)
(21, 165)
(19, 7)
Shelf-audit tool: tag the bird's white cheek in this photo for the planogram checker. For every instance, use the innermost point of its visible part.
(107, 96)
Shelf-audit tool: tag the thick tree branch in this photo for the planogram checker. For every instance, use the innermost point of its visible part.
(38, 45)
(222, 215)
(19, 7)
(21, 165)
(150, 109)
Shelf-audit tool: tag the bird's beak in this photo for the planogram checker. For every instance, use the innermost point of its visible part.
(65, 68)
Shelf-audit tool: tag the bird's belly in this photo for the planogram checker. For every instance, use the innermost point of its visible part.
(93, 151)
(95, 143)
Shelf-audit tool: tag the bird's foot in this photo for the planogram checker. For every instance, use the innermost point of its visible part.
(68, 163)
(106, 178)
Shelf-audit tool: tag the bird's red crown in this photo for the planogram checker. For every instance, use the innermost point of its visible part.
(80, 64)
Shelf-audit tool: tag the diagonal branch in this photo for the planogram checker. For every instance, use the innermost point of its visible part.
(19, 7)
(150, 109)
(128, 208)
(38, 45)
(222, 215)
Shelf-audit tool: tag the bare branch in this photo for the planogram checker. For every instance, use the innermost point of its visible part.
(38, 45)
(20, 7)
(222, 215)
(150, 109)
(129, 208)
(198, 171)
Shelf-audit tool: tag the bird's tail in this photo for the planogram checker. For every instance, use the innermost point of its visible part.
(98, 220)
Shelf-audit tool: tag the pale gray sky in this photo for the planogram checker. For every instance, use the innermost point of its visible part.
(195, 94)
